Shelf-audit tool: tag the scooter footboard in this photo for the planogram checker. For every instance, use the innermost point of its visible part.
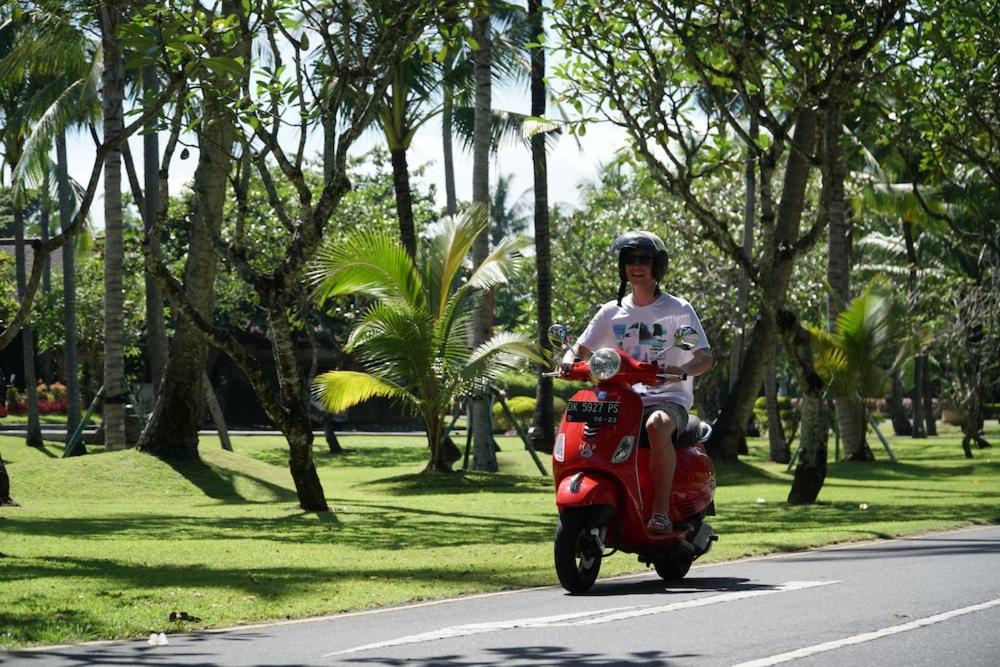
(585, 489)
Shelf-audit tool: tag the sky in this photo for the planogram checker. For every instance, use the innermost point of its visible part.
(570, 163)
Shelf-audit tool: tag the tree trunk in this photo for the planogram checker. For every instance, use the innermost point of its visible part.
(447, 140)
(294, 421)
(919, 365)
(404, 201)
(810, 473)
(71, 372)
(308, 488)
(215, 411)
(779, 450)
(927, 392)
(776, 270)
(743, 293)
(913, 306)
(5, 498)
(115, 389)
(34, 438)
(156, 335)
(838, 268)
(728, 436)
(330, 434)
(172, 430)
(900, 422)
(543, 428)
(484, 457)
(45, 358)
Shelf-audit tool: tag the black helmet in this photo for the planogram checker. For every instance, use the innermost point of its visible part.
(644, 241)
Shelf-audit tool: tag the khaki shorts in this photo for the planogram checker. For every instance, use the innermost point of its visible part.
(677, 413)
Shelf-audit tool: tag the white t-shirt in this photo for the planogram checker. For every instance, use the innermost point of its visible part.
(643, 332)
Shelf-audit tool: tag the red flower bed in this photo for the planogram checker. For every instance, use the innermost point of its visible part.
(20, 407)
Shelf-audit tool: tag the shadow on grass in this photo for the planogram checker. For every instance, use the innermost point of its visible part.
(361, 525)
(738, 473)
(220, 483)
(780, 519)
(458, 483)
(363, 456)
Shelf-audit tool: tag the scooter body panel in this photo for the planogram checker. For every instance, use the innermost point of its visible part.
(585, 489)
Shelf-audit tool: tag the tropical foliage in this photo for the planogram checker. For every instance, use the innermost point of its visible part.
(413, 340)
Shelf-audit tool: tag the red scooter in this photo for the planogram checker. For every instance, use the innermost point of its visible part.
(603, 486)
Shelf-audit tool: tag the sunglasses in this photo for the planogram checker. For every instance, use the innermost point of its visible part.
(645, 260)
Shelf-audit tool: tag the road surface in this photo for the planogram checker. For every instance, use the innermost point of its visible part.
(930, 600)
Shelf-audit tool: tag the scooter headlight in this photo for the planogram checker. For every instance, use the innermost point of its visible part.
(559, 449)
(604, 363)
(624, 449)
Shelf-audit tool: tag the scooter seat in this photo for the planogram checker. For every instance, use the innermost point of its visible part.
(696, 431)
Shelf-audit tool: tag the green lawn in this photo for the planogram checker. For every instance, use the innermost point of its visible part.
(107, 545)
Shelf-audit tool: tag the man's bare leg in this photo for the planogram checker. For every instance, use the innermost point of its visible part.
(662, 463)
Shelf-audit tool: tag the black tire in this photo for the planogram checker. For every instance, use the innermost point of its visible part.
(673, 567)
(577, 553)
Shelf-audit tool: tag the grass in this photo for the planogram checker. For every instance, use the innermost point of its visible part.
(107, 545)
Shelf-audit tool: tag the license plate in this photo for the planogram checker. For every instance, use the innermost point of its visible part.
(592, 412)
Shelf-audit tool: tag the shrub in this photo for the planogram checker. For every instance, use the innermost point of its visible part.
(787, 410)
(523, 409)
(524, 384)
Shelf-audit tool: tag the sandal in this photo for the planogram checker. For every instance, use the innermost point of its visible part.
(659, 525)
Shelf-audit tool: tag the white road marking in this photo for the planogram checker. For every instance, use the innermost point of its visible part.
(473, 629)
(701, 602)
(591, 617)
(868, 636)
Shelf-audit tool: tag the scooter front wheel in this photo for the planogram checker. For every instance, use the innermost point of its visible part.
(577, 552)
(672, 568)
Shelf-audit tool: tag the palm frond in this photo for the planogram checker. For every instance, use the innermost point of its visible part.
(501, 352)
(451, 249)
(507, 127)
(68, 107)
(393, 342)
(891, 245)
(370, 263)
(498, 266)
(339, 390)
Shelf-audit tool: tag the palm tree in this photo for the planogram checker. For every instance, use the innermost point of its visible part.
(112, 89)
(542, 422)
(510, 32)
(16, 93)
(851, 356)
(413, 340)
(484, 456)
(404, 109)
(69, 63)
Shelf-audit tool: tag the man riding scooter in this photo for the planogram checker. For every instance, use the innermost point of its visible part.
(641, 324)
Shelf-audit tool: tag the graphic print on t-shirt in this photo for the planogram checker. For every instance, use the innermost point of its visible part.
(642, 341)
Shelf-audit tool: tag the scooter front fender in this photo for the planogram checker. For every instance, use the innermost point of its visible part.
(584, 489)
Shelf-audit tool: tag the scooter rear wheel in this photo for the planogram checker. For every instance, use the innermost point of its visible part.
(577, 552)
